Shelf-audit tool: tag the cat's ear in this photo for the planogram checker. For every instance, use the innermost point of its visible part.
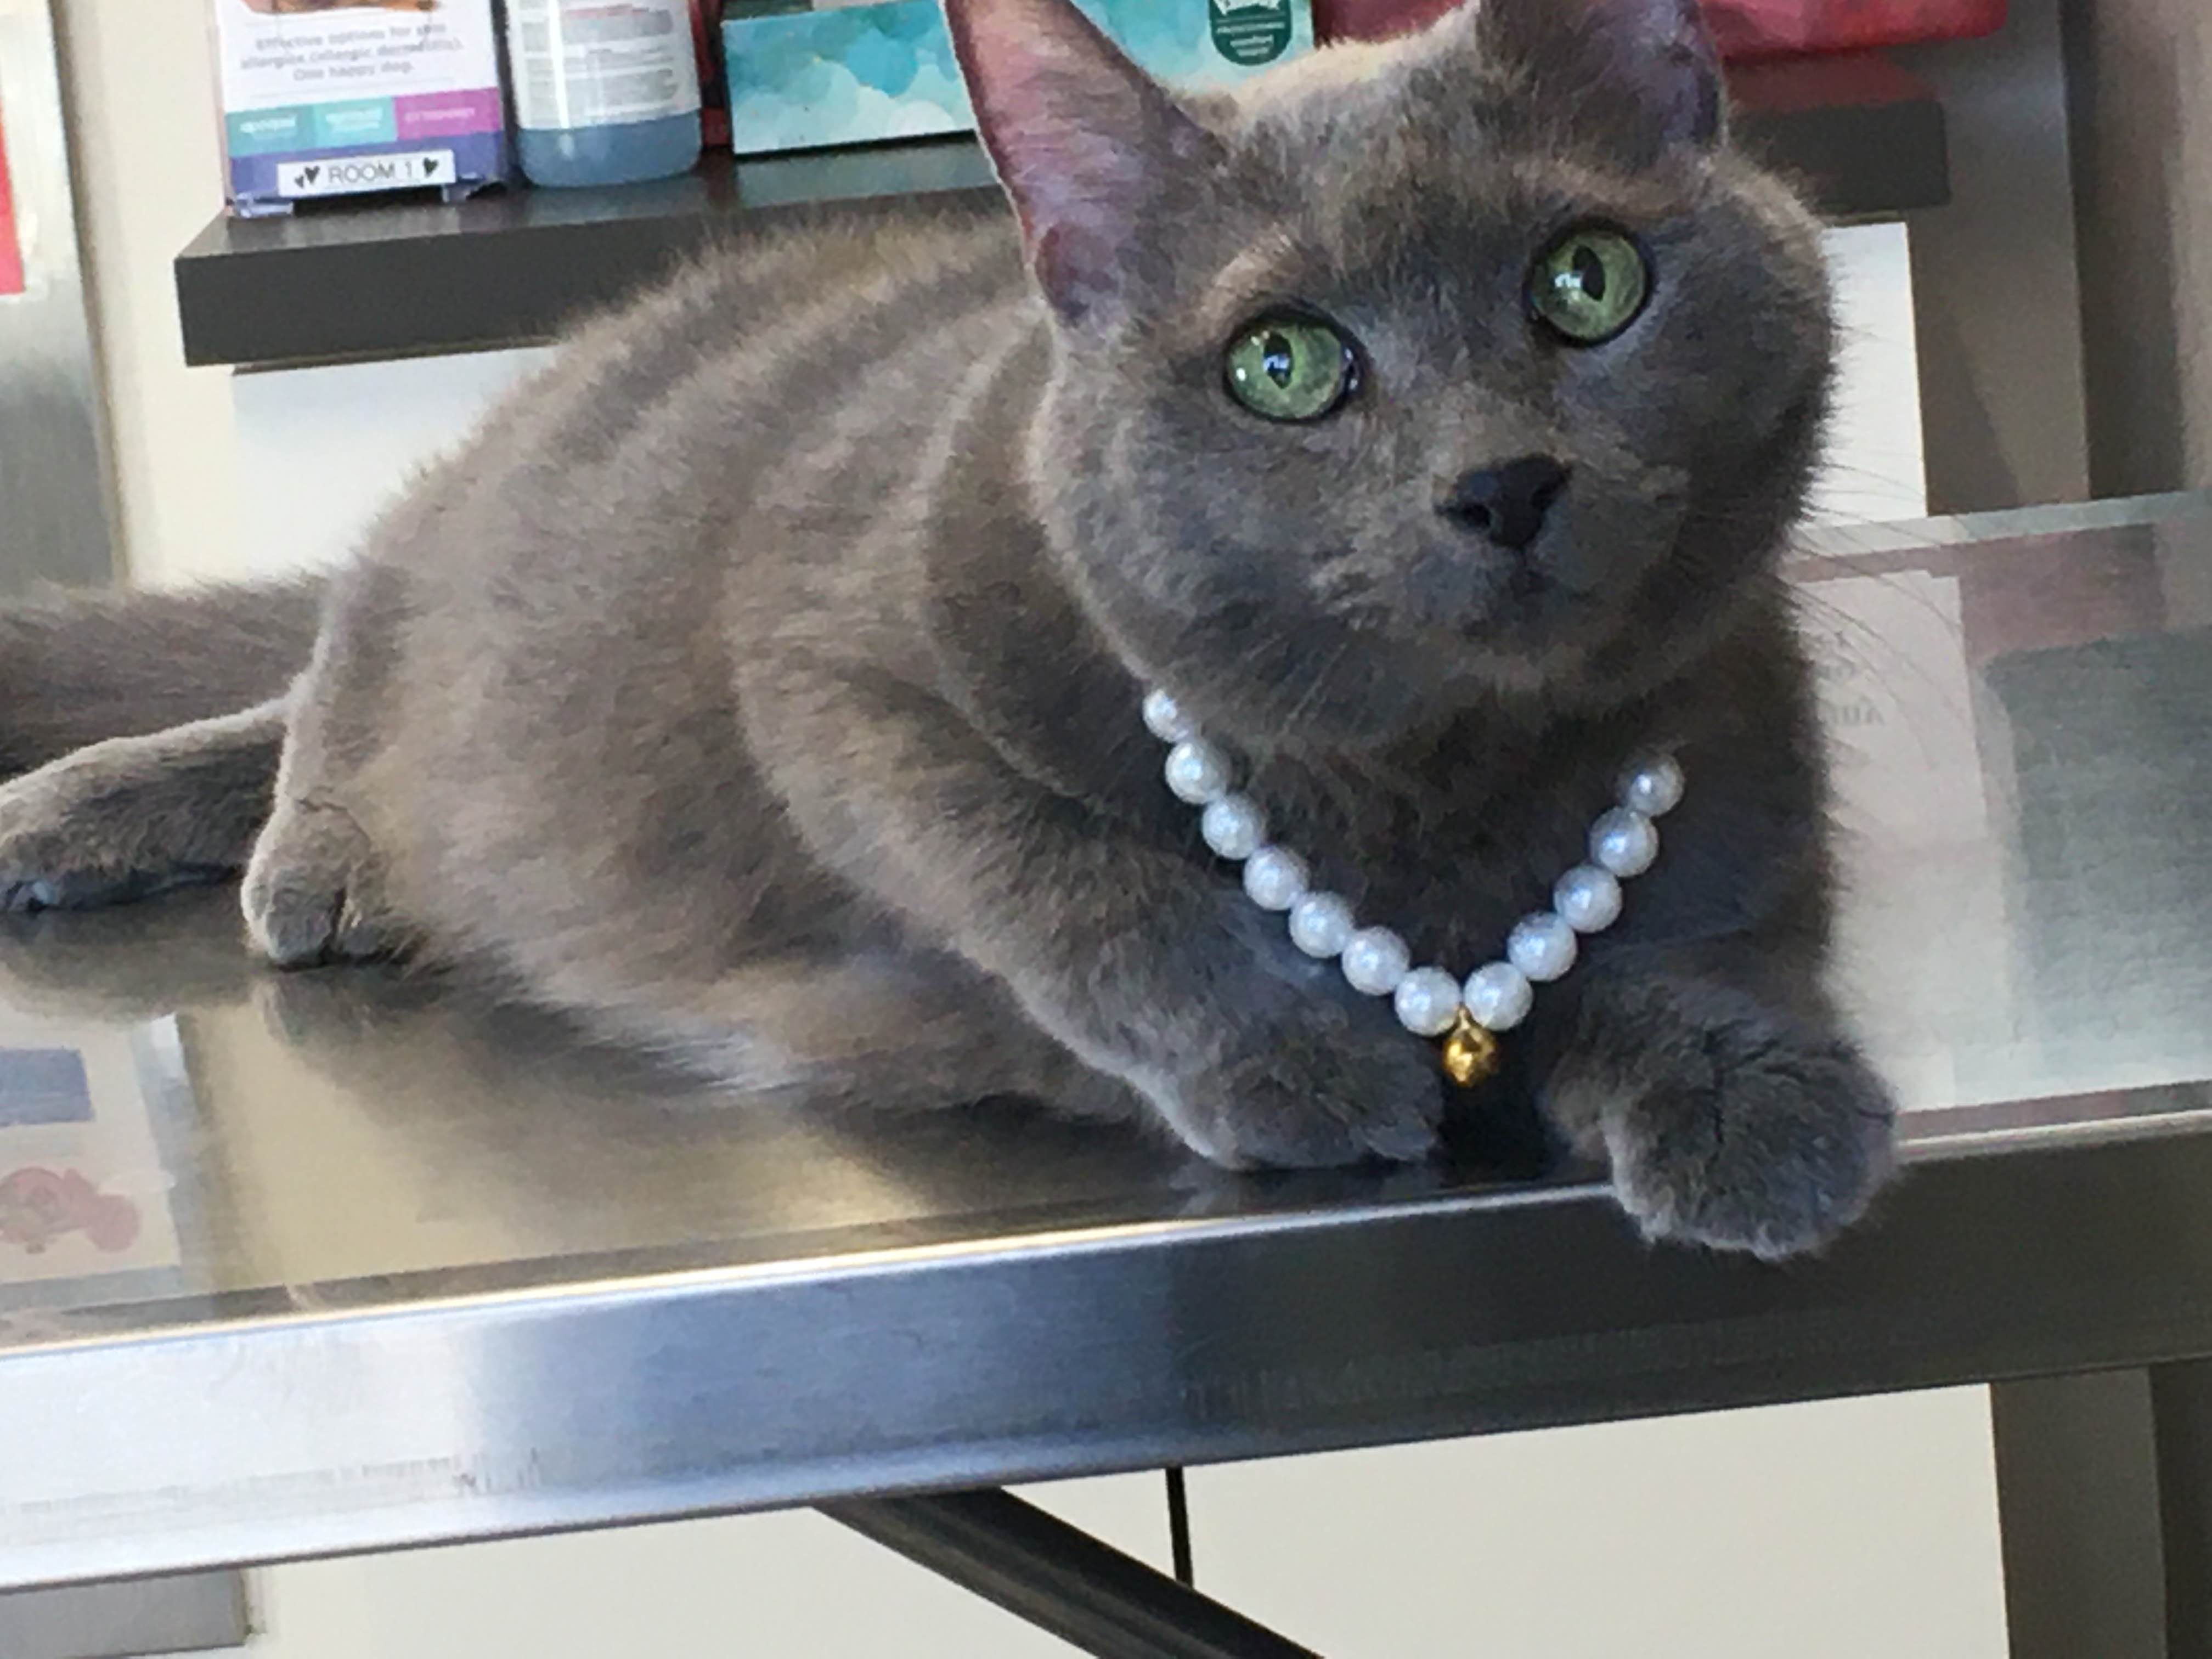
(1644, 70)
(1081, 139)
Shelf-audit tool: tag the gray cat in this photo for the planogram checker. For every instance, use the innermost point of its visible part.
(762, 685)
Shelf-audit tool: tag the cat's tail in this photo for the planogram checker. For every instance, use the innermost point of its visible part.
(80, 667)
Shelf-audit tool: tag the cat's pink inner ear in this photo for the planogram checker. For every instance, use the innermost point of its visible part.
(1080, 138)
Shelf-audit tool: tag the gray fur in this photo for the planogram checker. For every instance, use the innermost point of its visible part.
(130, 815)
(79, 668)
(761, 684)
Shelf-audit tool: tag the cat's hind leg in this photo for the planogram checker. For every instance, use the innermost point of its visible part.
(120, 819)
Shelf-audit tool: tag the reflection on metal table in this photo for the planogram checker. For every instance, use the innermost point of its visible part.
(339, 1261)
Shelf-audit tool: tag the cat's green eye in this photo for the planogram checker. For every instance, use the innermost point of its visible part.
(1290, 368)
(1590, 285)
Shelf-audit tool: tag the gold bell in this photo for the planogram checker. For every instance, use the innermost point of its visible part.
(1470, 1052)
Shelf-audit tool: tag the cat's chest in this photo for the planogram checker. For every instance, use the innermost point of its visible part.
(1452, 857)
(1448, 841)
(1448, 862)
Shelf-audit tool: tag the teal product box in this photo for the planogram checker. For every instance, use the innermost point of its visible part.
(803, 79)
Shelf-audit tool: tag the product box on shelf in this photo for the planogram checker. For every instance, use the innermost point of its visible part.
(802, 78)
(1741, 28)
(1766, 28)
(346, 97)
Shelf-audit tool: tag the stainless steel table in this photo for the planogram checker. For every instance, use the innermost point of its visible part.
(343, 1261)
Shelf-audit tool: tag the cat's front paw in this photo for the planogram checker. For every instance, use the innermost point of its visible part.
(1311, 1090)
(1730, 1125)
(311, 890)
(72, 838)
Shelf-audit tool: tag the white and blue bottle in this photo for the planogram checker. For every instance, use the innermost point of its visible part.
(606, 92)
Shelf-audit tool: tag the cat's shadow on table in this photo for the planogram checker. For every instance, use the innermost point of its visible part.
(520, 1113)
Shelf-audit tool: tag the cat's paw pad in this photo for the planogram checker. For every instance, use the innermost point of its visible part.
(1313, 1096)
(1770, 1147)
(309, 892)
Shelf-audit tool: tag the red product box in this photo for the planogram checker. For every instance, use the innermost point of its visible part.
(1743, 28)
(1764, 28)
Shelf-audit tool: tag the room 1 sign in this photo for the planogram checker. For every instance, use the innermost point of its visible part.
(11, 248)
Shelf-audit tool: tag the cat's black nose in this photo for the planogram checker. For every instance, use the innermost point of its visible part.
(1506, 503)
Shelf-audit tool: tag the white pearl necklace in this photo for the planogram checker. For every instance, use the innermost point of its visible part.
(1430, 1001)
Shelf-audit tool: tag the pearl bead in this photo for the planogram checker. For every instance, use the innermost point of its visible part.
(1164, 718)
(1427, 1001)
(1320, 924)
(1542, 947)
(1274, 878)
(1623, 842)
(1234, 826)
(1374, 960)
(1197, 771)
(1589, 898)
(1498, 996)
(1654, 789)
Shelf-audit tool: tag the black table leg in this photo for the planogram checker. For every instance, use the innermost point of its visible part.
(2082, 1488)
(2181, 1413)
(1179, 1528)
(1059, 1578)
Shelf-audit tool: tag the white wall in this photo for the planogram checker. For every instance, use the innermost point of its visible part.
(319, 450)
(1849, 1529)
(142, 122)
(1876, 467)
(790, 1586)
